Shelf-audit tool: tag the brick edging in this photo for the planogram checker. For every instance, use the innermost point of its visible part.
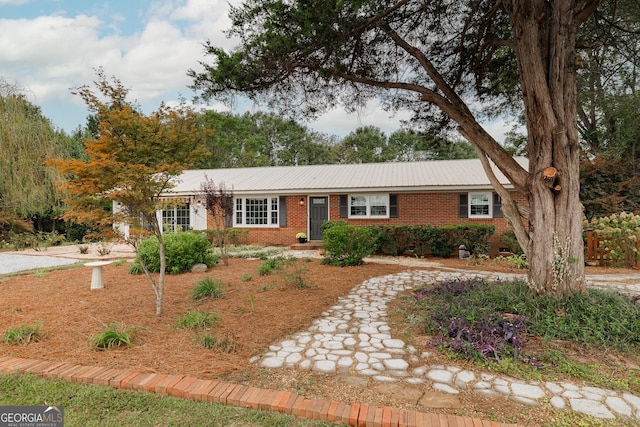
(188, 387)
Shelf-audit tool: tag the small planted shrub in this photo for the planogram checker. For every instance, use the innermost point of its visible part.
(25, 334)
(115, 335)
(270, 265)
(208, 288)
(196, 320)
(346, 245)
(182, 251)
(135, 268)
(83, 249)
(295, 275)
(213, 342)
(513, 261)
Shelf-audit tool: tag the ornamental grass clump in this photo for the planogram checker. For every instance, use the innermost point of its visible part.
(115, 335)
(25, 334)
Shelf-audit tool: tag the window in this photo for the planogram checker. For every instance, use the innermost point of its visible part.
(369, 206)
(256, 211)
(479, 205)
(176, 218)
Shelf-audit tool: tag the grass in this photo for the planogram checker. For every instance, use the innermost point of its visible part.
(115, 335)
(89, 405)
(597, 321)
(196, 320)
(208, 288)
(24, 334)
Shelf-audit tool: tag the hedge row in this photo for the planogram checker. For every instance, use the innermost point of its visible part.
(442, 241)
(343, 242)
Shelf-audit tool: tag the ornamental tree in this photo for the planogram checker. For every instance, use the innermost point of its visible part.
(440, 60)
(134, 159)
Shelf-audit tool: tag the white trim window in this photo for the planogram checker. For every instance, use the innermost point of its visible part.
(480, 205)
(256, 212)
(176, 218)
(369, 206)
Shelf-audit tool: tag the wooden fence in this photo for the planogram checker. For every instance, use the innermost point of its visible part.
(598, 254)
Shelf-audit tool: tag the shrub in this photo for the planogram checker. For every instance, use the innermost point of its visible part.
(208, 288)
(619, 238)
(391, 240)
(508, 239)
(196, 320)
(116, 335)
(474, 236)
(269, 265)
(23, 335)
(514, 261)
(347, 245)
(182, 251)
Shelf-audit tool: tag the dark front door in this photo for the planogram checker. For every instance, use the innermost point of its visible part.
(318, 213)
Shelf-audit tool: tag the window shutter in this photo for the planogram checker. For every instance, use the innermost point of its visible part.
(463, 205)
(228, 221)
(497, 206)
(393, 206)
(344, 206)
(282, 211)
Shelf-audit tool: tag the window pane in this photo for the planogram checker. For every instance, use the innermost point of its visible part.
(257, 211)
(238, 211)
(479, 204)
(274, 210)
(182, 218)
(358, 206)
(379, 205)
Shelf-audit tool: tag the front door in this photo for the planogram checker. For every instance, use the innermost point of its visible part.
(318, 213)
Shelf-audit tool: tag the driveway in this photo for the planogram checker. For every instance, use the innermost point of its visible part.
(12, 263)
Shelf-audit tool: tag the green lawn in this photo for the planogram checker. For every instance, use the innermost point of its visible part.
(90, 405)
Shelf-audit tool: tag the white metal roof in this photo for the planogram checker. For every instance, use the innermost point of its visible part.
(434, 175)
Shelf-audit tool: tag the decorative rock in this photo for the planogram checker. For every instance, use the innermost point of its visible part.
(199, 268)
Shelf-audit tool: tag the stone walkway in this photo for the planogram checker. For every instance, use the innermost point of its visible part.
(353, 337)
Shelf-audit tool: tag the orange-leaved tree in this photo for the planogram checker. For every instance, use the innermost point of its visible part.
(132, 160)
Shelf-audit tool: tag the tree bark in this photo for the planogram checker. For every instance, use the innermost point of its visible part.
(544, 39)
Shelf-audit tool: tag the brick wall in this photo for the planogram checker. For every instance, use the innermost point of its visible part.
(413, 209)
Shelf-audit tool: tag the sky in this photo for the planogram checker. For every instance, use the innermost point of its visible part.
(49, 47)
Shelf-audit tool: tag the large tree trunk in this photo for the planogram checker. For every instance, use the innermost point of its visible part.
(544, 37)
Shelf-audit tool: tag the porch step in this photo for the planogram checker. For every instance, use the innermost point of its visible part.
(307, 246)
